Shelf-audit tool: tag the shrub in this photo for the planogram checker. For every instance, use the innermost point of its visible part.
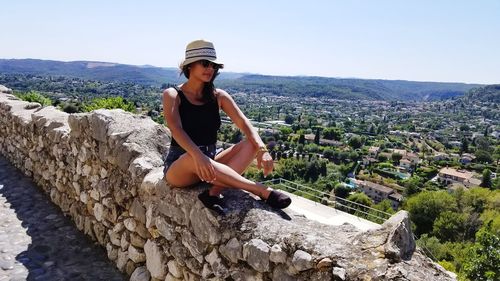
(33, 96)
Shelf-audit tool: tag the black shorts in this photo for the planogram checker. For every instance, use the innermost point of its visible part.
(174, 152)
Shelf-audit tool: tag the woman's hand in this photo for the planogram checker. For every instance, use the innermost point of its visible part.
(265, 161)
(204, 168)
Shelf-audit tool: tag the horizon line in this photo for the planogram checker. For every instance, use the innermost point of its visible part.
(252, 73)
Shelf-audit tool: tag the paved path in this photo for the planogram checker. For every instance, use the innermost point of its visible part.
(327, 215)
(37, 242)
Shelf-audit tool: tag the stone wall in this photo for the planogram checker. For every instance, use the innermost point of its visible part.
(104, 169)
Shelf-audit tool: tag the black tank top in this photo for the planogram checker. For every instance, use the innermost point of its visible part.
(200, 122)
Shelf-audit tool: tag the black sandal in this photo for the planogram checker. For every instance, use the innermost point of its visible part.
(278, 200)
(212, 202)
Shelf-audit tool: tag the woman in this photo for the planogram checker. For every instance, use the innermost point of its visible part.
(191, 111)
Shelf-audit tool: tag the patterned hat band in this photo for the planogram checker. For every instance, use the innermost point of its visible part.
(200, 50)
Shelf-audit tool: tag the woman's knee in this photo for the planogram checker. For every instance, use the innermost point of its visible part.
(181, 172)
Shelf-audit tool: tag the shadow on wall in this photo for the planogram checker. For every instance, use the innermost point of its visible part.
(45, 243)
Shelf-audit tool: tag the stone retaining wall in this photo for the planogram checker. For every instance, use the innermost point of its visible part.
(104, 169)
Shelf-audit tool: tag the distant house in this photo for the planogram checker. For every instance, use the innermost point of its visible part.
(450, 176)
(413, 158)
(401, 152)
(310, 138)
(405, 164)
(378, 193)
(368, 161)
(467, 158)
(373, 151)
(441, 156)
(330, 142)
(396, 199)
(385, 154)
(476, 134)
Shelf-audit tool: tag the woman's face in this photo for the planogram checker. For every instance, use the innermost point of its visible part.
(203, 70)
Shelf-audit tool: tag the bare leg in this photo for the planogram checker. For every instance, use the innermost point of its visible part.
(181, 174)
(238, 157)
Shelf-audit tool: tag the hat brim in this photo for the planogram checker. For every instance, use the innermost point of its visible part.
(191, 60)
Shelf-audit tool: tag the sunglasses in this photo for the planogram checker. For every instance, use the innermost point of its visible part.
(207, 63)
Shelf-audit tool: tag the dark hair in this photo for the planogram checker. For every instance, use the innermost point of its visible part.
(208, 88)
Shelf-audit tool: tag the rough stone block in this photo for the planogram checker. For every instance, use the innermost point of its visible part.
(302, 260)
(232, 250)
(155, 260)
(256, 253)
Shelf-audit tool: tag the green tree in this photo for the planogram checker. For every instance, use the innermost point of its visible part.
(396, 157)
(328, 153)
(465, 146)
(486, 181)
(285, 132)
(313, 169)
(355, 142)
(382, 158)
(477, 198)
(483, 156)
(385, 206)
(317, 136)
(449, 226)
(362, 199)
(412, 185)
(426, 206)
(496, 157)
(372, 129)
(431, 245)
(109, 103)
(300, 148)
(34, 96)
(341, 190)
(332, 133)
(302, 139)
(323, 168)
(483, 260)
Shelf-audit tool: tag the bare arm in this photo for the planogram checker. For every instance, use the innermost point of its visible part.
(264, 159)
(204, 169)
(240, 120)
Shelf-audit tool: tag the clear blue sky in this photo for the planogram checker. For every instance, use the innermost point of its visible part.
(440, 40)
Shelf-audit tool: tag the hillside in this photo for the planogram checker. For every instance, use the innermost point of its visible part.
(367, 89)
(348, 88)
(490, 93)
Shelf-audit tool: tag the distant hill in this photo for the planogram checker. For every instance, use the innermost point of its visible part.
(90, 70)
(370, 89)
(490, 93)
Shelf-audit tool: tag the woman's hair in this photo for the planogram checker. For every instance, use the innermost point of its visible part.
(208, 88)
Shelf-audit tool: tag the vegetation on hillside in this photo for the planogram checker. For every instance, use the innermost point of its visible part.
(490, 93)
(298, 86)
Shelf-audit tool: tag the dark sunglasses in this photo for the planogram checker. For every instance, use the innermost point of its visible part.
(207, 63)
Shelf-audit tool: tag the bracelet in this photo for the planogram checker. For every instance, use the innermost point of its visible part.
(263, 149)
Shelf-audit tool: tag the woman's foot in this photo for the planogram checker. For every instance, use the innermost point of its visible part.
(276, 199)
(212, 202)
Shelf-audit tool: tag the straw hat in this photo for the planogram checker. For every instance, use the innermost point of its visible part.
(200, 50)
